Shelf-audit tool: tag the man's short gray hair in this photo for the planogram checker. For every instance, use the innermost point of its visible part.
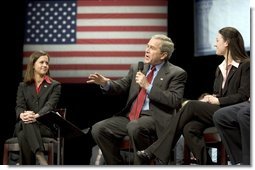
(166, 46)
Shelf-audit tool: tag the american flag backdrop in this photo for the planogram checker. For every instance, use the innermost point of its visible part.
(87, 36)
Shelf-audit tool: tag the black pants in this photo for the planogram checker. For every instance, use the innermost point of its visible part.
(109, 133)
(233, 124)
(190, 121)
(30, 140)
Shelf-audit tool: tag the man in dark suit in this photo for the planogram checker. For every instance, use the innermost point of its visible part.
(233, 124)
(163, 95)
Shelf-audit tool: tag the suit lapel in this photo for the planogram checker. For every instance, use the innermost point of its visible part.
(32, 89)
(230, 75)
(158, 80)
(44, 88)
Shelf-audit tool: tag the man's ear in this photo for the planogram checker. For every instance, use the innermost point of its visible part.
(163, 55)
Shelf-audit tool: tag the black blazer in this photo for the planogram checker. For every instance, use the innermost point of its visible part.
(237, 86)
(165, 96)
(45, 101)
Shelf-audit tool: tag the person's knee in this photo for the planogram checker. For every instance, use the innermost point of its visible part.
(190, 107)
(217, 117)
(20, 135)
(190, 104)
(243, 118)
(97, 129)
(190, 130)
(133, 128)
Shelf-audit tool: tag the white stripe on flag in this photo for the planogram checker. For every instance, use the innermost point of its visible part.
(120, 9)
(118, 35)
(122, 22)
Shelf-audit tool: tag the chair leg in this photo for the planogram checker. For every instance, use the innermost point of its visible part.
(6, 154)
(62, 151)
(51, 154)
(222, 155)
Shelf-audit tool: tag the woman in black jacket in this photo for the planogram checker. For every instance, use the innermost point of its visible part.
(36, 95)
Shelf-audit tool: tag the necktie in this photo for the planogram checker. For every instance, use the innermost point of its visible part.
(137, 106)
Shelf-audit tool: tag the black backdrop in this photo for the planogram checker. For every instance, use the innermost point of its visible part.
(85, 104)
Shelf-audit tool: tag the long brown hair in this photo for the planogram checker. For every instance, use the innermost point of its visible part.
(29, 74)
(235, 43)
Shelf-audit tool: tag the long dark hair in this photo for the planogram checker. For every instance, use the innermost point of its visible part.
(235, 43)
(29, 74)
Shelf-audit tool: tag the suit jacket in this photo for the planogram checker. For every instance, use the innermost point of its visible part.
(45, 101)
(165, 96)
(237, 86)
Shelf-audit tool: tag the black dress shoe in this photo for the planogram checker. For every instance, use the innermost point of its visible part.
(146, 156)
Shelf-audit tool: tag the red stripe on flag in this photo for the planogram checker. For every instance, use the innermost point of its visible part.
(122, 3)
(88, 66)
(92, 53)
(81, 80)
(121, 28)
(112, 41)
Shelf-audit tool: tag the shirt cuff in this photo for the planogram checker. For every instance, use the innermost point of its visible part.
(149, 89)
(106, 87)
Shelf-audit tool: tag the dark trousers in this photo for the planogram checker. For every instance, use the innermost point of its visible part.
(190, 121)
(233, 123)
(30, 140)
(109, 133)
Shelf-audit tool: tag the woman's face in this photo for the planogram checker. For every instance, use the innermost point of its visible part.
(41, 66)
(221, 45)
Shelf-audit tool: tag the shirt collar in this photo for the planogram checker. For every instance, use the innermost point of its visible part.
(233, 63)
(158, 66)
(47, 79)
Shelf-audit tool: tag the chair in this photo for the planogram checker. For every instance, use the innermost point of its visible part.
(126, 145)
(213, 140)
(51, 145)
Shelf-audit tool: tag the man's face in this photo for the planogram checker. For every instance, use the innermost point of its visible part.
(153, 54)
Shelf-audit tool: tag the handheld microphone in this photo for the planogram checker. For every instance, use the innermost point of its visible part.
(140, 66)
